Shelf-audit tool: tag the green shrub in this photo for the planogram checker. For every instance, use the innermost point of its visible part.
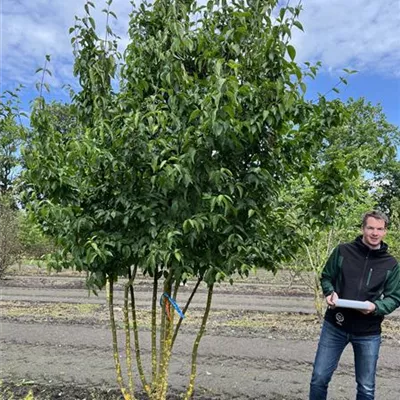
(10, 247)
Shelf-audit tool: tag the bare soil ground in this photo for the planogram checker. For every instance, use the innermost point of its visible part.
(260, 341)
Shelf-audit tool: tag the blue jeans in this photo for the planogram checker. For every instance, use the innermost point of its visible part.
(331, 345)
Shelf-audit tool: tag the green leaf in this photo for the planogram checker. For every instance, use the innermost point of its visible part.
(92, 22)
(218, 67)
(194, 115)
(178, 255)
(229, 111)
(298, 25)
(291, 51)
(350, 72)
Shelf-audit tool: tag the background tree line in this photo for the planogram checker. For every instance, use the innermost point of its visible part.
(21, 238)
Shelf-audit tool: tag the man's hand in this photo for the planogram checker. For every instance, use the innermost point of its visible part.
(371, 308)
(331, 299)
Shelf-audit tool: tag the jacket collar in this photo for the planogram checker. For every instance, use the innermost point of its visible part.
(367, 250)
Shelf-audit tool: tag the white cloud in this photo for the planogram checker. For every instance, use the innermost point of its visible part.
(361, 34)
(33, 28)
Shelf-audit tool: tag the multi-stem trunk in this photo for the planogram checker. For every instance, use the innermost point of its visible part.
(202, 329)
(166, 331)
(165, 356)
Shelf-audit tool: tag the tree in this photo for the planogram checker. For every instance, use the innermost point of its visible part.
(387, 187)
(387, 195)
(24, 238)
(178, 172)
(11, 130)
(11, 133)
(367, 138)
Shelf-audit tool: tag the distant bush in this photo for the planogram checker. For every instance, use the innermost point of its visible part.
(10, 246)
(393, 237)
(34, 243)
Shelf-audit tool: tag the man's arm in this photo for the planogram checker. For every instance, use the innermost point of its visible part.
(330, 274)
(391, 293)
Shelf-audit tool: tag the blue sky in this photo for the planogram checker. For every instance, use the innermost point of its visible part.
(355, 34)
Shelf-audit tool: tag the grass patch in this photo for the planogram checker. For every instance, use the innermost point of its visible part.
(51, 310)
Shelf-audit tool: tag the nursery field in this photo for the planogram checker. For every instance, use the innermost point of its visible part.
(260, 341)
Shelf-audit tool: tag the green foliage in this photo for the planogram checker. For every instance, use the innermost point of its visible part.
(34, 244)
(62, 117)
(366, 141)
(11, 132)
(389, 201)
(387, 187)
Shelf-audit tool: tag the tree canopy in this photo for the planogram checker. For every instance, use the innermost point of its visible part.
(182, 166)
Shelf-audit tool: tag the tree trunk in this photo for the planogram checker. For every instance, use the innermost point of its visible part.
(190, 389)
(154, 329)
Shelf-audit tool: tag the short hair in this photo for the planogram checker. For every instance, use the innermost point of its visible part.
(377, 215)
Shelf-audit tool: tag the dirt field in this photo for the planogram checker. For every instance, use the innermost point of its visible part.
(260, 342)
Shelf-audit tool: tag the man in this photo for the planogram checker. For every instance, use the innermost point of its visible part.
(362, 270)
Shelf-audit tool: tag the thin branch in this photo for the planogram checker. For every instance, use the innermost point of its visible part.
(128, 350)
(42, 80)
(154, 327)
(184, 311)
(145, 385)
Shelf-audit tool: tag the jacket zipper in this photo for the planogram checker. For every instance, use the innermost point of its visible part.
(362, 280)
(369, 276)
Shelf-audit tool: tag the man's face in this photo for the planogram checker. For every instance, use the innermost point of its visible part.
(373, 232)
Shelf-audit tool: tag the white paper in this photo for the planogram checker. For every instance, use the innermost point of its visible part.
(359, 305)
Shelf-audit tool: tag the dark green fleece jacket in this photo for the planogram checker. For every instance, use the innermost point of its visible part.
(356, 272)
